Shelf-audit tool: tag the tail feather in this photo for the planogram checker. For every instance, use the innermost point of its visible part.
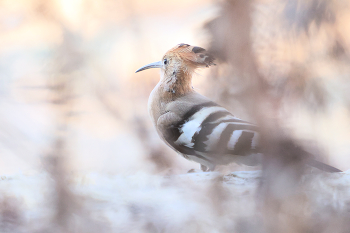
(322, 166)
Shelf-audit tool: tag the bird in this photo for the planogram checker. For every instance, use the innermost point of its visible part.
(195, 126)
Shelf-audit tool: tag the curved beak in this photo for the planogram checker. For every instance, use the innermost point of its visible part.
(157, 64)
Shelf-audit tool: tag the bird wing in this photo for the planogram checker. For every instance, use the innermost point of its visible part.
(207, 129)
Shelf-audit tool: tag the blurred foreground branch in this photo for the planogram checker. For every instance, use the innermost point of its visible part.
(253, 81)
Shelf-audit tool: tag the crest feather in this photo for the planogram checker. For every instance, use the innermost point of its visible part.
(194, 54)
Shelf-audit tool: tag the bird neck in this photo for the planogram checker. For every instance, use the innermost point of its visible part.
(175, 84)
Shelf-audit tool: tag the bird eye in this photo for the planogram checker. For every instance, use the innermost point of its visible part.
(165, 61)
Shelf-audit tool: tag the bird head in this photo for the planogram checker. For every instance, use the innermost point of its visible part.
(182, 59)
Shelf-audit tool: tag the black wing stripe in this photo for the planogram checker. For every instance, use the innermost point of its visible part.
(194, 110)
(225, 138)
(207, 128)
(243, 144)
(173, 133)
(233, 120)
(238, 126)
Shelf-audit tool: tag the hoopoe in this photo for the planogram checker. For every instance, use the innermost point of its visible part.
(193, 125)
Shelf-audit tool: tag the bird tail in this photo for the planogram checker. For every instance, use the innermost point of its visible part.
(322, 166)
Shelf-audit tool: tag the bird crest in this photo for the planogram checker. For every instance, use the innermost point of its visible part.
(192, 55)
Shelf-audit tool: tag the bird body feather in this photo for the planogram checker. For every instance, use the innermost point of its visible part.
(200, 129)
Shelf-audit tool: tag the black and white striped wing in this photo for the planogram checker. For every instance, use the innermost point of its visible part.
(208, 129)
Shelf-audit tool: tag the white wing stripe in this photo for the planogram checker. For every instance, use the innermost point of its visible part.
(214, 137)
(234, 138)
(194, 125)
(255, 140)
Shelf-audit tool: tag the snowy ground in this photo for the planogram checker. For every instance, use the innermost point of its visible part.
(193, 202)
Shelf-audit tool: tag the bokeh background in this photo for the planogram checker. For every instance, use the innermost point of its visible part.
(71, 103)
(68, 73)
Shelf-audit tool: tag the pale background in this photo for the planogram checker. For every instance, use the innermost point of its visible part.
(92, 49)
